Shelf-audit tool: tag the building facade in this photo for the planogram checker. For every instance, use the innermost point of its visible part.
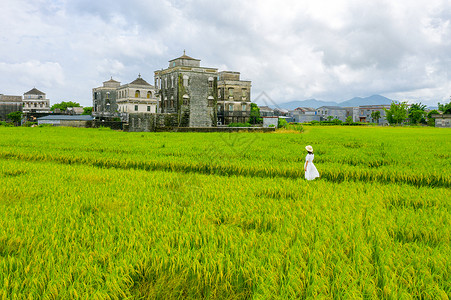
(66, 120)
(34, 101)
(304, 114)
(332, 112)
(113, 100)
(188, 90)
(137, 96)
(366, 111)
(266, 111)
(104, 106)
(9, 104)
(234, 98)
(442, 120)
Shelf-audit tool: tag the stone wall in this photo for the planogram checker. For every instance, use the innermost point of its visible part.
(191, 93)
(9, 104)
(442, 120)
(201, 111)
(143, 122)
(110, 124)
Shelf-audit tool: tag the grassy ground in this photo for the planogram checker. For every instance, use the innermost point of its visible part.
(100, 214)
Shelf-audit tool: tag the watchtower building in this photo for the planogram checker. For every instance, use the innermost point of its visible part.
(104, 98)
(234, 98)
(188, 90)
(34, 101)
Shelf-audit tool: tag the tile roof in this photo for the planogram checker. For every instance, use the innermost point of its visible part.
(34, 91)
(68, 117)
(139, 81)
(184, 56)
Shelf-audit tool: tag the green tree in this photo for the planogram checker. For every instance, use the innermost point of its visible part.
(431, 120)
(330, 118)
(376, 115)
(397, 112)
(255, 115)
(416, 113)
(87, 110)
(16, 117)
(64, 105)
(282, 123)
(349, 120)
(445, 108)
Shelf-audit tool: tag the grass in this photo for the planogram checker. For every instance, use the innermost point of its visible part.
(112, 215)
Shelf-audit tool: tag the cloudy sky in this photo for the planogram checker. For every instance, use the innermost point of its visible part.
(290, 49)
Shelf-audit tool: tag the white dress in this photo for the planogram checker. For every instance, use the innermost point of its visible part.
(311, 172)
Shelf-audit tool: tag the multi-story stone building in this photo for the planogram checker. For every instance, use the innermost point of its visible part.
(104, 106)
(113, 100)
(137, 96)
(234, 98)
(200, 96)
(34, 101)
(9, 104)
(188, 90)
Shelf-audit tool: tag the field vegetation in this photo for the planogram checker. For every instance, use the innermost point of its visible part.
(100, 214)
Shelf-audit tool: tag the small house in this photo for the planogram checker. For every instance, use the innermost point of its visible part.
(442, 120)
(66, 120)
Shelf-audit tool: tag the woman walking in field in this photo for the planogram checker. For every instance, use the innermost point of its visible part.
(310, 170)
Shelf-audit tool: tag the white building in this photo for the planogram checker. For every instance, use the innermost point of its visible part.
(35, 101)
(136, 97)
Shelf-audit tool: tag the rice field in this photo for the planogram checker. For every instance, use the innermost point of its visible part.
(100, 214)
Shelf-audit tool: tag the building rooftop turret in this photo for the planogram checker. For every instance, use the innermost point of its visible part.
(139, 81)
(34, 91)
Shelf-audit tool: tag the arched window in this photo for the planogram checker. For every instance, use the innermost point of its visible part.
(210, 82)
(137, 94)
(149, 95)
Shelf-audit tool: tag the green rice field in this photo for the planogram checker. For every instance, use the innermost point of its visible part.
(102, 214)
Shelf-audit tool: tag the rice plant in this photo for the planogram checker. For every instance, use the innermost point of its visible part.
(113, 215)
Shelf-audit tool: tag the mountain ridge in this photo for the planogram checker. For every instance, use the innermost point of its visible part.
(356, 101)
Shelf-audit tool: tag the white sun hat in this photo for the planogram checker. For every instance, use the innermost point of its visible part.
(309, 148)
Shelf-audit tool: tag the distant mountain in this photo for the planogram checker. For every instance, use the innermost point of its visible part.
(373, 100)
(306, 103)
(357, 101)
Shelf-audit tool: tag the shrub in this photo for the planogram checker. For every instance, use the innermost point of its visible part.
(29, 124)
(282, 123)
(239, 125)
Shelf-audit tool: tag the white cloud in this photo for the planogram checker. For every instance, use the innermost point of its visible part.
(24, 76)
(292, 50)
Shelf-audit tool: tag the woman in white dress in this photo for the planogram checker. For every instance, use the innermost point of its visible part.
(310, 170)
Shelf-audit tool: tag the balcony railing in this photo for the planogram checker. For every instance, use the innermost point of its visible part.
(234, 113)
